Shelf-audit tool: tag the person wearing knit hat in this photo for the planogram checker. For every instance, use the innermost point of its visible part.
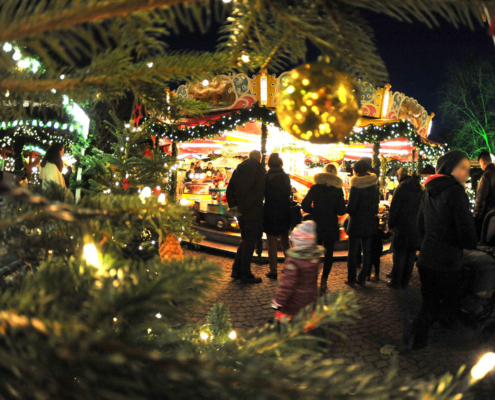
(446, 226)
(304, 236)
(299, 284)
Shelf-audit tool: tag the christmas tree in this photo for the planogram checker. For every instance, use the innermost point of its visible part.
(81, 317)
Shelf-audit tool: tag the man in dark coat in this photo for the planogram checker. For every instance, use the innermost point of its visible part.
(245, 196)
(403, 220)
(485, 195)
(362, 209)
(446, 227)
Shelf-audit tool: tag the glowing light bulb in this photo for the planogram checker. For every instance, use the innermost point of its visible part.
(7, 47)
(245, 58)
(205, 82)
(232, 335)
(146, 192)
(203, 336)
(158, 315)
(161, 198)
(91, 255)
(485, 365)
(150, 64)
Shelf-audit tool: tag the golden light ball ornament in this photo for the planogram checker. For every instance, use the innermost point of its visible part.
(318, 103)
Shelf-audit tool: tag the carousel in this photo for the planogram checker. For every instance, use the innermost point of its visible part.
(391, 128)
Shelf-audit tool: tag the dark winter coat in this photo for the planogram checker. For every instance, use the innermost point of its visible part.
(246, 189)
(276, 212)
(299, 280)
(403, 215)
(445, 224)
(325, 201)
(363, 206)
(485, 195)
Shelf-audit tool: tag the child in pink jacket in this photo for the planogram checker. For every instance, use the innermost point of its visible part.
(299, 284)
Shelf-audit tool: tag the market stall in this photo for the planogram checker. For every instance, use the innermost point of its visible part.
(392, 126)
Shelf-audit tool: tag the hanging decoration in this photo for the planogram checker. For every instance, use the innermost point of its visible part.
(224, 123)
(429, 151)
(138, 114)
(318, 103)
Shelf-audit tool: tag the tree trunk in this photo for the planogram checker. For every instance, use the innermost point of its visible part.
(173, 177)
(264, 137)
(376, 158)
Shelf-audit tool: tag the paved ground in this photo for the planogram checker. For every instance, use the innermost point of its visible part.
(382, 314)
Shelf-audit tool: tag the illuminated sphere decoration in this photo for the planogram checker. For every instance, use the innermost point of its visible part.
(318, 104)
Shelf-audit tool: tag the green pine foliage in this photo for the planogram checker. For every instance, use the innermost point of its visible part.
(75, 324)
(104, 49)
(132, 163)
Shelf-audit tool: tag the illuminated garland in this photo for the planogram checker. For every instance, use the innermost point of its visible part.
(224, 123)
(395, 130)
(42, 138)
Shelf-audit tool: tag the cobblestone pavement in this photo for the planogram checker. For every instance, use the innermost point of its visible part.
(382, 314)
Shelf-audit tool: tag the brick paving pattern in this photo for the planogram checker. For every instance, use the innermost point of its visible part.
(382, 314)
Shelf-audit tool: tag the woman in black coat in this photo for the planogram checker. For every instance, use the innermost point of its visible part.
(446, 226)
(362, 209)
(276, 212)
(325, 201)
(402, 218)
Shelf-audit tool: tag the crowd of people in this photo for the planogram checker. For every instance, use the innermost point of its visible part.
(434, 218)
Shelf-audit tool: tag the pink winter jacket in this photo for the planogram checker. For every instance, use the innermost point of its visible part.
(299, 283)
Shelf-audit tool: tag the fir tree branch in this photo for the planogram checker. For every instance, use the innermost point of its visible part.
(79, 13)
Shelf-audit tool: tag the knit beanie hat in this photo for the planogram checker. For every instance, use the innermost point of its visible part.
(447, 163)
(361, 167)
(304, 235)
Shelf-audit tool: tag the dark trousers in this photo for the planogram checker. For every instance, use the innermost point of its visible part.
(352, 258)
(440, 293)
(249, 235)
(272, 241)
(403, 266)
(329, 246)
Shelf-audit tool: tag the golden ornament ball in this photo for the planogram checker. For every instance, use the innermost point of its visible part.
(319, 104)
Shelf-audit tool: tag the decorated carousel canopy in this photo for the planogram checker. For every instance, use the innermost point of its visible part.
(240, 105)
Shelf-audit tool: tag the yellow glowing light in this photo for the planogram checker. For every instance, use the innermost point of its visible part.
(309, 102)
(295, 75)
(203, 336)
(232, 335)
(332, 119)
(114, 319)
(91, 255)
(149, 330)
(291, 89)
(159, 316)
(304, 109)
(485, 365)
(287, 119)
(305, 82)
(245, 58)
(342, 94)
(314, 96)
(161, 198)
(385, 103)
(205, 82)
(298, 116)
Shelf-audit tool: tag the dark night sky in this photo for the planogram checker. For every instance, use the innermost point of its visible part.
(417, 57)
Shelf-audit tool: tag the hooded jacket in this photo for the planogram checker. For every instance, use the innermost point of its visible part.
(363, 206)
(445, 224)
(403, 214)
(298, 287)
(485, 195)
(246, 189)
(325, 201)
(276, 212)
